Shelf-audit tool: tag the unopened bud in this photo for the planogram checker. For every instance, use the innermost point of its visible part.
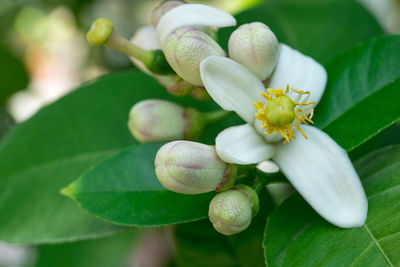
(192, 168)
(159, 120)
(231, 211)
(185, 48)
(163, 8)
(255, 46)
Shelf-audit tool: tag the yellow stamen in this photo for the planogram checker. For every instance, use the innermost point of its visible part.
(286, 130)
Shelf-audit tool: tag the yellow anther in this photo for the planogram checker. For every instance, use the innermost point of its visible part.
(299, 91)
(280, 112)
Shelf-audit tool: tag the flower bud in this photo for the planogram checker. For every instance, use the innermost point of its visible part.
(185, 48)
(231, 211)
(192, 168)
(159, 120)
(255, 46)
(163, 8)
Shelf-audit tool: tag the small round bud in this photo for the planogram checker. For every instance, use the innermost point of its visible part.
(280, 110)
(255, 46)
(185, 48)
(231, 211)
(159, 120)
(192, 168)
(163, 8)
(100, 32)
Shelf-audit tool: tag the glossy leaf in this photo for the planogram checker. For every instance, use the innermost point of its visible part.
(362, 96)
(297, 236)
(125, 190)
(46, 153)
(105, 252)
(320, 29)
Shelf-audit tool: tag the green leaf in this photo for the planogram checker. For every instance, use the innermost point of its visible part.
(198, 244)
(362, 96)
(13, 76)
(110, 251)
(5, 122)
(125, 190)
(46, 153)
(297, 236)
(320, 29)
(389, 136)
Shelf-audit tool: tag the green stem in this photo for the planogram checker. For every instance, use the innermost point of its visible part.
(276, 177)
(262, 179)
(215, 116)
(123, 45)
(259, 184)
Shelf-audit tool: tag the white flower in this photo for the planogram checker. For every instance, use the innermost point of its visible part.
(184, 45)
(317, 167)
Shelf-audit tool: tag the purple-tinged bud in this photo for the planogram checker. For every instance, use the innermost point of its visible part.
(255, 46)
(159, 120)
(184, 50)
(192, 168)
(163, 8)
(231, 211)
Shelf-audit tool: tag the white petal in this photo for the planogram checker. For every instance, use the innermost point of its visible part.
(300, 72)
(267, 166)
(231, 85)
(323, 174)
(242, 145)
(192, 15)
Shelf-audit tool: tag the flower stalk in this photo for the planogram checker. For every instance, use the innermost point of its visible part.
(216, 116)
(103, 33)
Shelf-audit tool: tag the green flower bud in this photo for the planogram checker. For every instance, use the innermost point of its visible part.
(255, 46)
(184, 50)
(163, 8)
(231, 211)
(192, 168)
(159, 120)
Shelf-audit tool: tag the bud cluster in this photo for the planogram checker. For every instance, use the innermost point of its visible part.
(171, 50)
(178, 40)
(187, 167)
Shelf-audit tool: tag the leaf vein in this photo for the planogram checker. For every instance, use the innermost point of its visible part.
(378, 246)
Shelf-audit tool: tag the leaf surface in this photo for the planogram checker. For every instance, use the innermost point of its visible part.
(297, 236)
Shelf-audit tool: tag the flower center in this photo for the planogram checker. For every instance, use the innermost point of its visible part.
(282, 114)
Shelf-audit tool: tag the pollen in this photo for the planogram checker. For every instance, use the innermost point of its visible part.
(282, 114)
